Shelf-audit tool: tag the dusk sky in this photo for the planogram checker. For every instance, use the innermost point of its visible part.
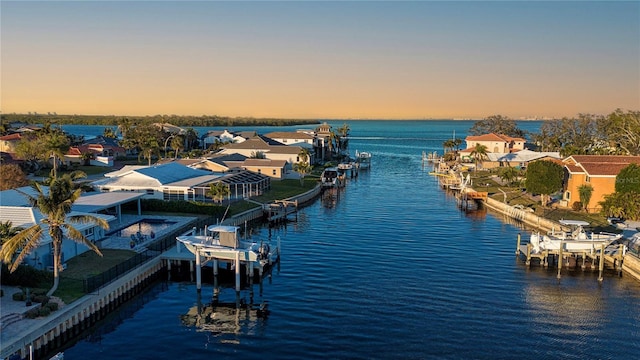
(321, 60)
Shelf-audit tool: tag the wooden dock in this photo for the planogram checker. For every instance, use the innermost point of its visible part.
(609, 257)
(280, 210)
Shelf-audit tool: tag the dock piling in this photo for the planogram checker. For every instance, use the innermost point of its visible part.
(518, 246)
(560, 258)
(601, 267)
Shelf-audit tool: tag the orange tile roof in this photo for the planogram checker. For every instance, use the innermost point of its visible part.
(600, 165)
(14, 136)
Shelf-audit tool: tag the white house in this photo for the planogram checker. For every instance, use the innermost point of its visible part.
(16, 208)
(271, 149)
(170, 181)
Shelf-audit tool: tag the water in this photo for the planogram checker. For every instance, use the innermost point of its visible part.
(389, 267)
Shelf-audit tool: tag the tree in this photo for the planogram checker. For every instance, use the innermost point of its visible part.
(56, 145)
(479, 154)
(303, 167)
(218, 191)
(257, 155)
(343, 137)
(7, 231)
(624, 205)
(30, 150)
(55, 205)
(12, 176)
(625, 129)
(585, 191)
(508, 174)
(544, 178)
(628, 179)
(191, 139)
(496, 124)
(109, 133)
(177, 144)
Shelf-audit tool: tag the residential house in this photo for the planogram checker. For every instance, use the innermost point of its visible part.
(15, 208)
(303, 139)
(275, 169)
(496, 143)
(8, 142)
(519, 159)
(218, 163)
(225, 136)
(270, 148)
(171, 181)
(599, 171)
(103, 153)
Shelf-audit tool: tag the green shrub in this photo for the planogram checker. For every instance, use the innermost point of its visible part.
(44, 311)
(576, 206)
(32, 314)
(42, 299)
(188, 207)
(26, 276)
(19, 296)
(52, 306)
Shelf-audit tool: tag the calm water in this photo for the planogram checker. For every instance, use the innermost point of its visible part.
(389, 268)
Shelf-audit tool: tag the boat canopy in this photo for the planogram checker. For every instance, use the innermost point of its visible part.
(222, 228)
(574, 223)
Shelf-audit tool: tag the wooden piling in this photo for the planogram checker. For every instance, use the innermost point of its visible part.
(560, 258)
(518, 246)
(528, 262)
(600, 278)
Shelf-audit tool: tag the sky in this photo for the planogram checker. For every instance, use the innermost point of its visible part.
(320, 59)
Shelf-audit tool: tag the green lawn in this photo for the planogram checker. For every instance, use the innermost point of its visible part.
(286, 188)
(85, 265)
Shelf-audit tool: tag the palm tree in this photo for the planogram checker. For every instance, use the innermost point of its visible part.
(56, 144)
(303, 167)
(7, 231)
(508, 174)
(55, 205)
(177, 144)
(218, 191)
(479, 154)
(585, 191)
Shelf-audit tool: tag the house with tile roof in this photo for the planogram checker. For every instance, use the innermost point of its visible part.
(599, 171)
(304, 139)
(8, 142)
(496, 143)
(15, 208)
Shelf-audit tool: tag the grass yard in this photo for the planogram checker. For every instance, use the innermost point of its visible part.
(85, 265)
(286, 188)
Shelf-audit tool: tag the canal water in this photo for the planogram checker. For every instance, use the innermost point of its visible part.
(386, 268)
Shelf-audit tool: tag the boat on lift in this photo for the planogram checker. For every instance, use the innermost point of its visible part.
(363, 159)
(223, 242)
(577, 239)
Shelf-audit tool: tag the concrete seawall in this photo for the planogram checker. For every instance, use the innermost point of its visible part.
(630, 263)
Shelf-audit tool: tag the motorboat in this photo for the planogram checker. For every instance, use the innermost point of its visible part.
(330, 177)
(223, 242)
(577, 239)
(363, 159)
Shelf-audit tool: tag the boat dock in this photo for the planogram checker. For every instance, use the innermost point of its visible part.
(280, 210)
(612, 256)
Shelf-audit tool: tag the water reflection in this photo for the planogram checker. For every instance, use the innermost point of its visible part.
(237, 317)
(577, 311)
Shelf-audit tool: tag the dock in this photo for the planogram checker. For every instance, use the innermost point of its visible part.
(611, 257)
(279, 211)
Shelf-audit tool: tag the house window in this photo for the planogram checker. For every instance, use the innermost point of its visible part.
(274, 171)
(259, 171)
(88, 232)
(150, 192)
(587, 179)
(567, 195)
(172, 195)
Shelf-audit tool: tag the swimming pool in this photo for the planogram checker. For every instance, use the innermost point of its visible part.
(144, 226)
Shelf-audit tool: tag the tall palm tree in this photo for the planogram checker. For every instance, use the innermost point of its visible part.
(479, 154)
(177, 144)
(584, 192)
(55, 205)
(56, 144)
(303, 167)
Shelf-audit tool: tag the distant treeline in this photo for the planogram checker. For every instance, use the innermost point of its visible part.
(183, 121)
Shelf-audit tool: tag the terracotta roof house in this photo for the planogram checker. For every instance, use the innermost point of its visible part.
(8, 142)
(103, 153)
(599, 171)
(16, 209)
(496, 143)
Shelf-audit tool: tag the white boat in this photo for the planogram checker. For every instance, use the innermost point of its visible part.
(224, 243)
(363, 159)
(577, 239)
(330, 177)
